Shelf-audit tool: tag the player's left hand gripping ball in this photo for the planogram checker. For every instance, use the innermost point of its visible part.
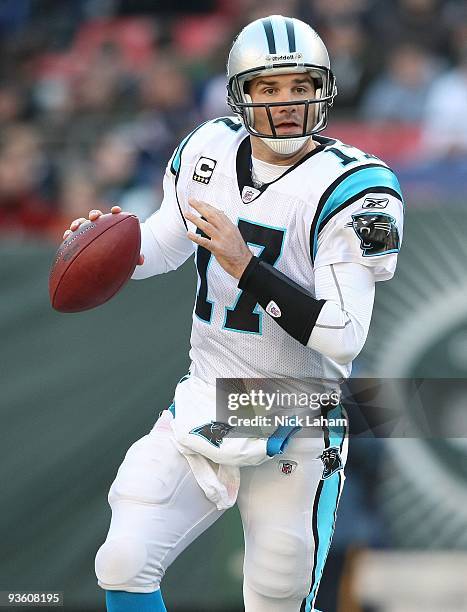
(219, 236)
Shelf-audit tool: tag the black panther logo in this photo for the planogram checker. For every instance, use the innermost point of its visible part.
(332, 461)
(378, 233)
(214, 432)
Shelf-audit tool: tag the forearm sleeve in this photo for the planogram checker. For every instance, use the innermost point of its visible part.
(292, 307)
(335, 322)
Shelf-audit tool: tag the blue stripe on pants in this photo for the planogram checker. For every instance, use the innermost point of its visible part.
(326, 510)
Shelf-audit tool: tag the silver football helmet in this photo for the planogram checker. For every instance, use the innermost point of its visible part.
(280, 45)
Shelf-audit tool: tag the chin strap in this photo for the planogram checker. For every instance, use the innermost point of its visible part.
(286, 146)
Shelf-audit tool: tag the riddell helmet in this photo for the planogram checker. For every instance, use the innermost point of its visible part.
(280, 45)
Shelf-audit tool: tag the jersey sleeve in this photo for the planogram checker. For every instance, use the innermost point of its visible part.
(362, 226)
(165, 244)
(164, 241)
(343, 323)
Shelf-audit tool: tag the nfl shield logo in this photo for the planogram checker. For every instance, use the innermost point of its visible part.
(287, 467)
(273, 309)
(249, 194)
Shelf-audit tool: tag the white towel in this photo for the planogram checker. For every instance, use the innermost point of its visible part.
(213, 456)
(220, 483)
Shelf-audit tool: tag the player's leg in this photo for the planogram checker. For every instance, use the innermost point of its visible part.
(158, 509)
(288, 512)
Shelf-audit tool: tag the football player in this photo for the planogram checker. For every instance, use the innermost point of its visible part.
(289, 231)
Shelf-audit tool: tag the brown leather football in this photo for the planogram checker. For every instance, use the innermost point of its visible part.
(94, 262)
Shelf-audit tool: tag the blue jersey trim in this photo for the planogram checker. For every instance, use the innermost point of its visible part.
(359, 180)
(177, 158)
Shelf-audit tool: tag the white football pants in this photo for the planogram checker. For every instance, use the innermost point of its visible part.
(288, 514)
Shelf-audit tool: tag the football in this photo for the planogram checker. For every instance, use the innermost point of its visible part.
(94, 262)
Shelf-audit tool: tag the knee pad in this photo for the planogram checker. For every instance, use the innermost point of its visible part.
(276, 565)
(119, 561)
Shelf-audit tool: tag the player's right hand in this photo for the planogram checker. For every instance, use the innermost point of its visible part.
(93, 215)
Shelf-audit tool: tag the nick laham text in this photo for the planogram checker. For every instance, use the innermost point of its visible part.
(285, 420)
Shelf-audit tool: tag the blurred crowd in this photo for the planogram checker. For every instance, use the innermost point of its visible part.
(96, 94)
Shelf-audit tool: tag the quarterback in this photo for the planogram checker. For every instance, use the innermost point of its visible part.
(290, 232)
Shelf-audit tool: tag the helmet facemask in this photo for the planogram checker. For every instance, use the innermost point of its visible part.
(315, 109)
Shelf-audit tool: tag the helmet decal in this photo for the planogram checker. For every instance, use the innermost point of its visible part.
(267, 25)
(290, 34)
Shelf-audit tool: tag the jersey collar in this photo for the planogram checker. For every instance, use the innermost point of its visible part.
(243, 163)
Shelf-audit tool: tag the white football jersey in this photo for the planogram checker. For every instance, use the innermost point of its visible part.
(337, 204)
